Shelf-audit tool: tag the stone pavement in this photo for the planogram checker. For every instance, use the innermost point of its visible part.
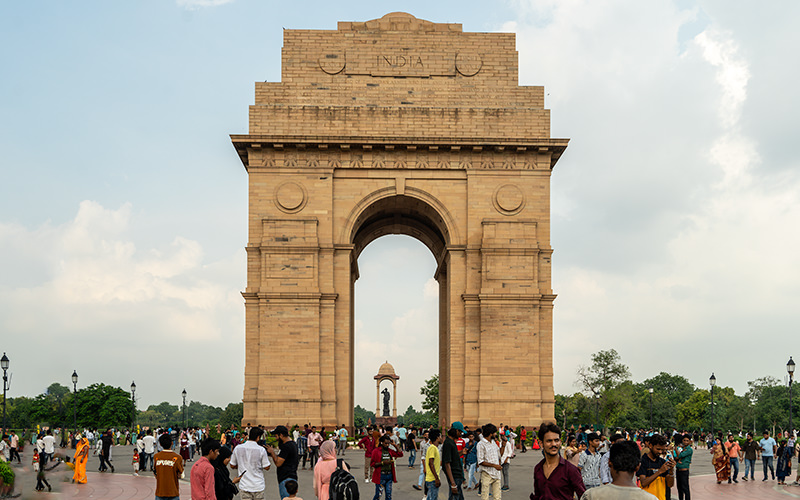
(122, 485)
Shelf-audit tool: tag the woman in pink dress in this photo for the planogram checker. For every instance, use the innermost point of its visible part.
(324, 468)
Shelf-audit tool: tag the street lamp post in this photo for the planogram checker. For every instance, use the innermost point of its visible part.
(133, 399)
(184, 407)
(4, 362)
(790, 369)
(713, 381)
(74, 402)
(651, 408)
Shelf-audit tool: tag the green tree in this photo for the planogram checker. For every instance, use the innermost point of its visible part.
(362, 416)
(599, 380)
(164, 413)
(103, 406)
(674, 388)
(431, 392)
(232, 415)
(694, 413)
(605, 373)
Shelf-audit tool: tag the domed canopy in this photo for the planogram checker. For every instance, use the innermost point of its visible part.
(386, 371)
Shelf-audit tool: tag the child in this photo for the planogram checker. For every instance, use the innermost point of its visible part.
(291, 489)
(41, 480)
(36, 469)
(135, 462)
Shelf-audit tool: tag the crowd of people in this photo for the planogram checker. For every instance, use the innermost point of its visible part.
(576, 463)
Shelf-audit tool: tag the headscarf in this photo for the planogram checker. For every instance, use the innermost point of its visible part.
(327, 451)
(219, 462)
(223, 486)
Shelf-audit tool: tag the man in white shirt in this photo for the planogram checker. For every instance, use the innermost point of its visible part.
(251, 460)
(505, 458)
(149, 449)
(489, 464)
(49, 447)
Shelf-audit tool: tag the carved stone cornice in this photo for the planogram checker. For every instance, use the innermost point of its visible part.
(244, 142)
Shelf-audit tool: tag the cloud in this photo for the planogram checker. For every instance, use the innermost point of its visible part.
(673, 239)
(85, 288)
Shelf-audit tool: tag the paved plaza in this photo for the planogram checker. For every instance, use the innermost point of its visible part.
(122, 485)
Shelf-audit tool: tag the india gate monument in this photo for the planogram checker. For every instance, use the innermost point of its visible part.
(399, 126)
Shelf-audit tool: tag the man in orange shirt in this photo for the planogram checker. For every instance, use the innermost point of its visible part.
(167, 469)
(734, 452)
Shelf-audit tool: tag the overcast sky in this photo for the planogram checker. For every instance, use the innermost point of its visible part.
(676, 208)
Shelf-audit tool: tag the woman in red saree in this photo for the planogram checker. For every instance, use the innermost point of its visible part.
(81, 458)
(722, 464)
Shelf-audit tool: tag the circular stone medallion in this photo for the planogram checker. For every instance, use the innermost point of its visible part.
(290, 197)
(468, 63)
(332, 63)
(509, 199)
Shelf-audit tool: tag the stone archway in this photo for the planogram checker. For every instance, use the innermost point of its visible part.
(399, 126)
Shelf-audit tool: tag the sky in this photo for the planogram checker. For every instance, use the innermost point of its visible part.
(123, 205)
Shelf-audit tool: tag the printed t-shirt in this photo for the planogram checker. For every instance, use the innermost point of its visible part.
(386, 461)
(401, 433)
(768, 446)
(168, 468)
(288, 452)
(648, 467)
(432, 452)
(450, 455)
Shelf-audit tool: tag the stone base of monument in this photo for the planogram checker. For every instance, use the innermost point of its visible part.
(384, 421)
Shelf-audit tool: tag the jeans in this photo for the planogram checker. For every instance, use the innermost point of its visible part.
(386, 483)
(421, 479)
(314, 455)
(412, 457)
(768, 463)
(735, 467)
(282, 487)
(147, 457)
(14, 453)
(433, 490)
(505, 474)
(682, 482)
(341, 446)
(750, 467)
(459, 495)
(472, 481)
(367, 467)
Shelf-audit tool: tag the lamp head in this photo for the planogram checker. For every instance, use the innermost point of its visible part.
(789, 365)
(712, 380)
(133, 386)
(74, 377)
(183, 393)
(4, 362)
(650, 390)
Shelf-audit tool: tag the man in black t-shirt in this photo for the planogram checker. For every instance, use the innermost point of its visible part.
(750, 449)
(286, 460)
(451, 463)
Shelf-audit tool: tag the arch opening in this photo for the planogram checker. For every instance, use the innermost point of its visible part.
(413, 331)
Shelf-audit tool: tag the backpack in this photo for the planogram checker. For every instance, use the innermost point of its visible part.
(343, 485)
